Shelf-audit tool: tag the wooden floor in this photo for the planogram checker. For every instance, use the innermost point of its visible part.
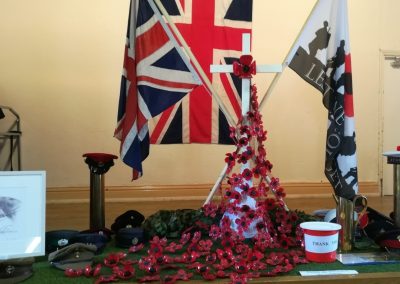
(76, 215)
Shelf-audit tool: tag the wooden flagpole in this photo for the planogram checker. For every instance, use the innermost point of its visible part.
(284, 63)
(200, 70)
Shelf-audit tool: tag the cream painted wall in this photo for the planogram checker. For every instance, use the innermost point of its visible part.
(60, 66)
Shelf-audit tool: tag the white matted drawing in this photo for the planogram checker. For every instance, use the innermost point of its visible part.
(22, 213)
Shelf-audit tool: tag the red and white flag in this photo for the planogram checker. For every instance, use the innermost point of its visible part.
(213, 30)
(156, 75)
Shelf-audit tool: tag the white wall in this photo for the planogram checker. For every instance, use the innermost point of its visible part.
(60, 66)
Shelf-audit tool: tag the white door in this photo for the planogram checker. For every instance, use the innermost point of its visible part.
(390, 120)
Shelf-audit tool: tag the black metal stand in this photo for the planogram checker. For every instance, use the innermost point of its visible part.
(395, 161)
(12, 132)
(99, 164)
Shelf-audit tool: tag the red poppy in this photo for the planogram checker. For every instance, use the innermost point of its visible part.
(225, 254)
(243, 223)
(230, 159)
(205, 245)
(284, 242)
(214, 232)
(155, 249)
(173, 247)
(238, 278)
(242, 159)
(245, 208)
(208, 276)
(244, 129)
(211, 258)
(113, 259)
(146, 262)
(70, 272)
(259, 171)
(258, 266)
(242, 249)
(270, 204)
(253, 192)
(220, 274)
(227, 243)
(247, 174)
(274, 183)
(236, 179)
(255, 255)
(185, 238)
(190, 257)
(136, 248)
(164, 259)
(274, 259)
(127, 272)
(161, 241)
(196, 237)
(244, 187)
(249, 152)
(92, 272)
(241, 267)
(243, 141)
(236, 197)
(245, 68)
(280, 193)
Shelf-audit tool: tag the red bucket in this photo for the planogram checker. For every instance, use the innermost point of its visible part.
(320, 240)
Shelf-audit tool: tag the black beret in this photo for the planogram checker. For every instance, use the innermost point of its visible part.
(127, 237)
(99, 240)
(130, 219)
(58, 239)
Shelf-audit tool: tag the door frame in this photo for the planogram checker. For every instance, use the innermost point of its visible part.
(383, 55)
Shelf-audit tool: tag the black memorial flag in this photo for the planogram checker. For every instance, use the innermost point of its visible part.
(321, 56)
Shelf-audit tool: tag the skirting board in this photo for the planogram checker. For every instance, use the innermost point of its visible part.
(189, 192)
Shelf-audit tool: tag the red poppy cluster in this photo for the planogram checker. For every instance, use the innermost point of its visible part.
(200, 256)
(216, 250)
(273, 221)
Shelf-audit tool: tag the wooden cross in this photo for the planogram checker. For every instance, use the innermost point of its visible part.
(273, 68)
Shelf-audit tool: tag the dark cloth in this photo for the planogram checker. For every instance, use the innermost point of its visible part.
(16, 270)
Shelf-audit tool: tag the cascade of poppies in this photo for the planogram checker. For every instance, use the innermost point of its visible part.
(265, 216)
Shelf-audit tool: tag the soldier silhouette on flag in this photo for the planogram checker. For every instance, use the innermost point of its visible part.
(321, 40)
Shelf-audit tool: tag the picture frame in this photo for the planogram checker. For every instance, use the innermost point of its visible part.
(22, 214)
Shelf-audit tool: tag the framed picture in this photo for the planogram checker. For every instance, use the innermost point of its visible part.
(22, 214)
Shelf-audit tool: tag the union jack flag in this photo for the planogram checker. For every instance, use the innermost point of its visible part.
(155, 76)
(213, 30)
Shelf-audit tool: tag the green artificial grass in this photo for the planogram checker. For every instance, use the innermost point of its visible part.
(45, 273)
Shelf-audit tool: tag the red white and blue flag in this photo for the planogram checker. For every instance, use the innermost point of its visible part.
(321, 56)
(155, 76)
(213, 30)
